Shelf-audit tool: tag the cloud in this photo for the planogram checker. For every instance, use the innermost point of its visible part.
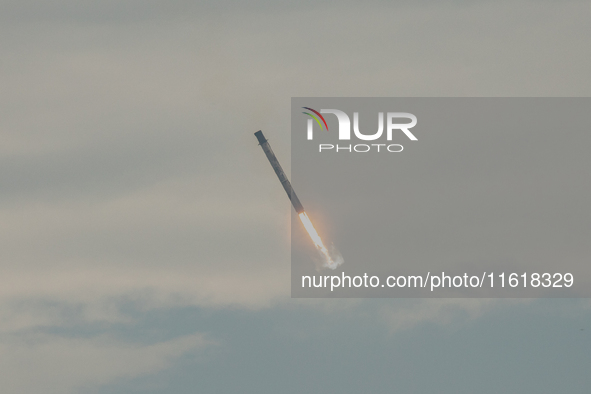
(171, 240)
(128, 163)
(442, 312)
(46, 364)
(130, 174)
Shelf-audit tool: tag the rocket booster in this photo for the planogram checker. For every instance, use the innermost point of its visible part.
(297, 205)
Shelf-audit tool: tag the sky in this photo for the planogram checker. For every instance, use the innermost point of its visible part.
(144, 241)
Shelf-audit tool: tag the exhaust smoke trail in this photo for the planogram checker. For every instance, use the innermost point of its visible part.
(329, 261)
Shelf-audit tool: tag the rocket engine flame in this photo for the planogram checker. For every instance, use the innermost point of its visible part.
(331, 260)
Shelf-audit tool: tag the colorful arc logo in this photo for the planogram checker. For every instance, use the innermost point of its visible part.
(316, 117)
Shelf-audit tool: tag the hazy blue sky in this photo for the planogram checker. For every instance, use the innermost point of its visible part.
(145, 242)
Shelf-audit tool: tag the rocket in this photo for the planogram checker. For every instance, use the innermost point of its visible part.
(295, 201)
(331, 259)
